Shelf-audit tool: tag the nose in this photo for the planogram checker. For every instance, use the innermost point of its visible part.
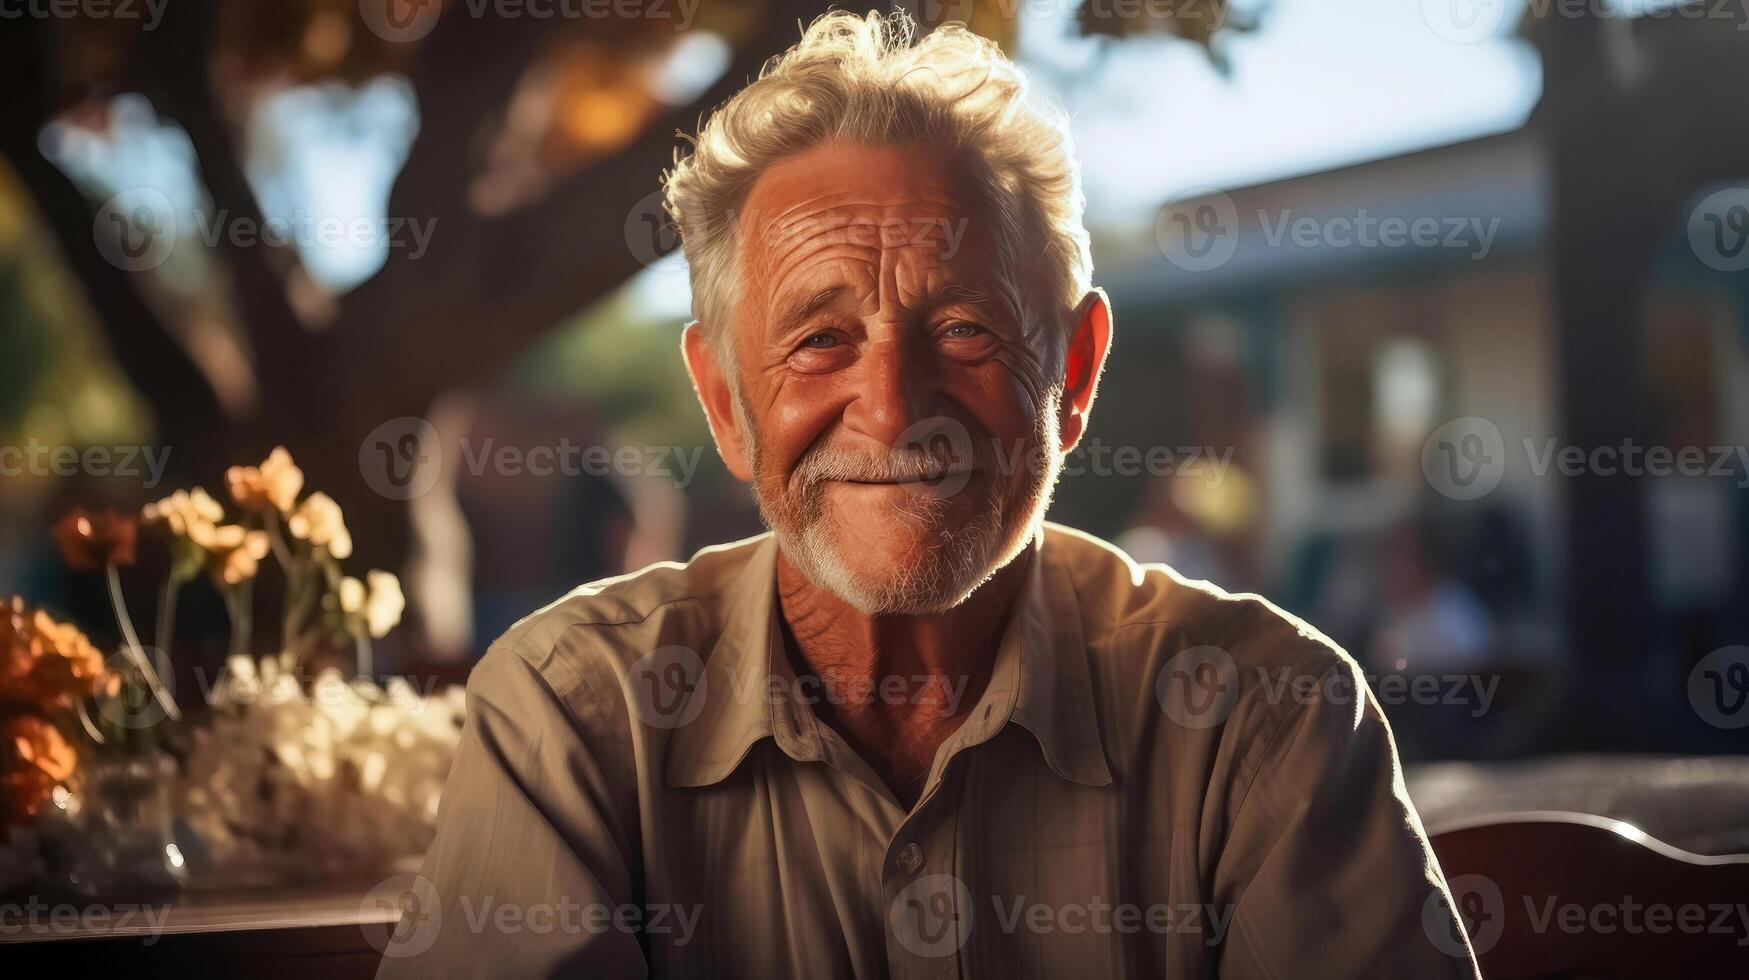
(896, 386)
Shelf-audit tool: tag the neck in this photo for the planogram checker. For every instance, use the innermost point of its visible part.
(833, 636)
(896, 685)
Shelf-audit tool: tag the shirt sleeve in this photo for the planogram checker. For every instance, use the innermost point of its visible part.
(1332, 875)
(529, 874)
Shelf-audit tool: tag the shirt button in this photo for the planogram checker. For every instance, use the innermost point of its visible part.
(910, 858)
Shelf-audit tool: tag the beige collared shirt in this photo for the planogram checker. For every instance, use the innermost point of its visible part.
(1159, 779)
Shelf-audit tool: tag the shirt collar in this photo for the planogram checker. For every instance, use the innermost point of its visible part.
(1040, 681)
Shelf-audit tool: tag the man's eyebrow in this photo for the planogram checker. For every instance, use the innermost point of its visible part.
(798, 313)
(957, 292)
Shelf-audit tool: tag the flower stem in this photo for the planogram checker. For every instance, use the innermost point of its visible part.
(280, 552)
(167, 612)
(238, 599)
(85, 720)
(138, 655)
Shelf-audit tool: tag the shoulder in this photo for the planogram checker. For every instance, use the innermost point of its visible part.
(595, 632)
(1127, 604)
(1232, 668)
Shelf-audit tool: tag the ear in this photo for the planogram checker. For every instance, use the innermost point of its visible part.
(1088, 345)
(718, 399)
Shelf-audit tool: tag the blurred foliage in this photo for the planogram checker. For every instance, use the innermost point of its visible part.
(58, 383)
(627, 364)
(1196, 21)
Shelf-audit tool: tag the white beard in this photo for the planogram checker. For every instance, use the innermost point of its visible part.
(959, 559)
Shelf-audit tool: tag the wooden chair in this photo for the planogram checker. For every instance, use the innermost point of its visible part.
(1556, 894)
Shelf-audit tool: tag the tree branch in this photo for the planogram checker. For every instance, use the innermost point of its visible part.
(156, 363)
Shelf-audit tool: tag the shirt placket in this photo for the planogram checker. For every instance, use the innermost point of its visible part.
(928, 908)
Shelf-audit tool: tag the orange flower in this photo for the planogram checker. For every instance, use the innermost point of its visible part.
(34, 759)
(45, 664)
(91, 541)
(274, 484)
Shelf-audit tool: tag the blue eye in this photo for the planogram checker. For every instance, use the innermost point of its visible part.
(962, 329)
(820, 341)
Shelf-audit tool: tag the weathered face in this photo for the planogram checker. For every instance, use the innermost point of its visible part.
(902, 428)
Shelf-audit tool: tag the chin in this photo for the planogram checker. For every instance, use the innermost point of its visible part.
(913, 565)
(907, 550)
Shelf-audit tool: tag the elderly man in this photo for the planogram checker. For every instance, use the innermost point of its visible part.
(914, 731)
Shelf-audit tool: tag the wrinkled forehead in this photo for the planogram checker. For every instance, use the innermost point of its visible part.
(845, 200)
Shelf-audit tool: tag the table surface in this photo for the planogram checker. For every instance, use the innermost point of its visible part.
(195, 912)
(1698, 804)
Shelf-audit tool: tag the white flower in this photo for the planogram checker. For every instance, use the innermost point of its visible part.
(351, 595)
(342, 777)
(275, 483)
(379, 606)
(318, 520)
(188, 514)
(382, 611)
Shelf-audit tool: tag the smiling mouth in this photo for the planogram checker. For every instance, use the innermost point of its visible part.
(927, 479)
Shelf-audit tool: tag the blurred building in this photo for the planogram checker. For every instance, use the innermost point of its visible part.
(1359, 337)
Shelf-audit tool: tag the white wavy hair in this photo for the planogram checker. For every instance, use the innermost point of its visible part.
(868, 79)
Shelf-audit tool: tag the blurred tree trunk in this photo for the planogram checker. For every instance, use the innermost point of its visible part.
(486, 287)
(1675, 85)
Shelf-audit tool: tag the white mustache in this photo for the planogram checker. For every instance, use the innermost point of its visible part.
(898, 466)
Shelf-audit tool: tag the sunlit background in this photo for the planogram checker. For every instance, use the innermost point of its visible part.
(470, 239)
